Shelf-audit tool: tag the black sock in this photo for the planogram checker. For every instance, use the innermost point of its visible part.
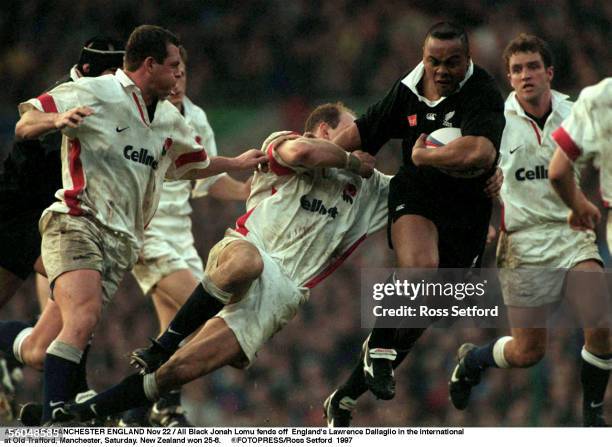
(59, 384)
(8, 332)
(382, 338)
(81, 378)
(481, 358)
(594, 383)
(171, 399)
(199, 308)
(129, 393)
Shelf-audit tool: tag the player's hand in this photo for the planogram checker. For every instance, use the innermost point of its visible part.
(585, 217)
(72, 118)
(494, 184)
(367, 163)
(249, 160)
(418, 150)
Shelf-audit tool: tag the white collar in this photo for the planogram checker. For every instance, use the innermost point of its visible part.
(414, 77)
(124, 79)
(514, 106)
(74, 73)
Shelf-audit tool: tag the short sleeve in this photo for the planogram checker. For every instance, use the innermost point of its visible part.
(576, 135)
(484, 114)
(379, 190)
(383, 120)
(185, 151)
(60, 99)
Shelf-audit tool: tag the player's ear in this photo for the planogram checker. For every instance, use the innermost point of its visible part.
(324, 130)
(85, 69)
(148, 63)
(550, 71)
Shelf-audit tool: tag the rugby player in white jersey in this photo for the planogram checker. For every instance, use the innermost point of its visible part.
(121, 138)
(307, 211)
(169, 267)
(585, 133)
(537, 252)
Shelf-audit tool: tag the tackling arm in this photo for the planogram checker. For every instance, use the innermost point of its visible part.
(349, 138)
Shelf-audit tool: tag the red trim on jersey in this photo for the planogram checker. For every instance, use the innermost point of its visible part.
(190, 157)
(565, 142)
(332, 267)
(275, 166)
(241, 222)
(75, 167)
(48, 103)
(139, 108)
(535, 129)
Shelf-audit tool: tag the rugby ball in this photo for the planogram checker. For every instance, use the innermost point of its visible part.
(444, 136)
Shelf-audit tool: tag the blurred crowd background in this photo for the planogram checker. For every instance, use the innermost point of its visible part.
(258, 66)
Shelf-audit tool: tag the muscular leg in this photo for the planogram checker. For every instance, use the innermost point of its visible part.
(587, 289)
(211, 348)
(78, 295)
(171, 293)
(238, 265)
(415, 241)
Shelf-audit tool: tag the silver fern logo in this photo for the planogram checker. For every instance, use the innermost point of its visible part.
(447, 119)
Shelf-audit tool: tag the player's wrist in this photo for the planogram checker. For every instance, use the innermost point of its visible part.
(352, 163)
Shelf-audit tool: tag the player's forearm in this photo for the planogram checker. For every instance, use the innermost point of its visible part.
(313, 153)
(467, 152)
(227, 188)
(349, 139)
(34, 124)
(561, 177)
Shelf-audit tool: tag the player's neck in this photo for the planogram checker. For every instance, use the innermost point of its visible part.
(429, 89)
(139, 80)
(539, 106)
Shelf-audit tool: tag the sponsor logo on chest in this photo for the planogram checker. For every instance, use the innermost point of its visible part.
(539, 173)
(142, 156)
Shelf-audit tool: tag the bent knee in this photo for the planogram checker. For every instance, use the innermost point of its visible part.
(238, 266)
(528, 356)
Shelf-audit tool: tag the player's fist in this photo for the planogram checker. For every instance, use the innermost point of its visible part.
(366, 169)
(72, 118)
(249, 160)
(585, 217)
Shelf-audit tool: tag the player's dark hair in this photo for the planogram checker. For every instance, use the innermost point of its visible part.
(326, 113)
(528, 43)
(100, 53)
(449, 31)
(148, 41)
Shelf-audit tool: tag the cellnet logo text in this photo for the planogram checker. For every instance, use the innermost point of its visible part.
(539, 173)
(140, 156)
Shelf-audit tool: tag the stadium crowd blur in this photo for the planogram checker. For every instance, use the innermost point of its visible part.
(286, 57)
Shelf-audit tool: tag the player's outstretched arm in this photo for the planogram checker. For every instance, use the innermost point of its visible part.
(584, 215)
(34, 123)
(314, 153)
(349, 139)
(228, 188)
(468, 152)
(247, 161)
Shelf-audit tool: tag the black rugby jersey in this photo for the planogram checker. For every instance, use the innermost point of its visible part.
(477, 108)
(32, 172)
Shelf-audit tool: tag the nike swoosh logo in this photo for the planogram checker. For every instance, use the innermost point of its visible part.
(512, 151)
(594, 405)
(121, 130)
(173, 332)
(53, 403)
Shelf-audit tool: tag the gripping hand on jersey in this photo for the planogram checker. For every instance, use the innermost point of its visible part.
(72, 118)
(366, 168)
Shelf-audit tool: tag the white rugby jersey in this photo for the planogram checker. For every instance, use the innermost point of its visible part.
(174, 201)
(587, 132)
(525, 153)
(114, 163)
(310, 221)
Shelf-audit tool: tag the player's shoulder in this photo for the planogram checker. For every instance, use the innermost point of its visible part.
(106, 88)
(598, 94)
(276, 138)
